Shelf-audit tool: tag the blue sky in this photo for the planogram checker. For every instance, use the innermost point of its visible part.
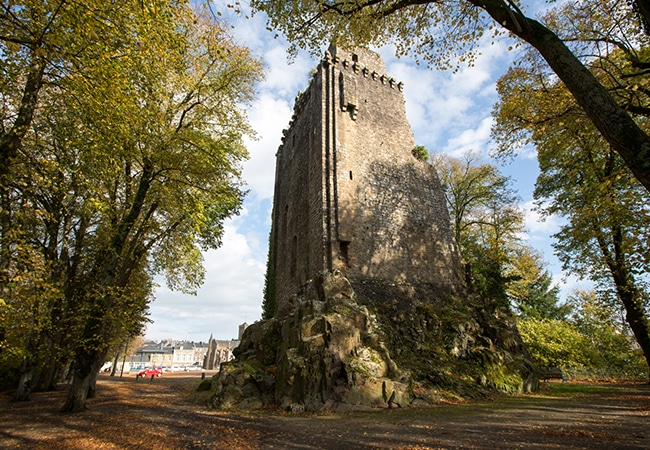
(449, 112)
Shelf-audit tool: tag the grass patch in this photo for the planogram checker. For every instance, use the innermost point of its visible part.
(577, 389)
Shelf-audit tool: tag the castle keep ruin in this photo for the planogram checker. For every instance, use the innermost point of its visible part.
(372, 308)
(349, 194)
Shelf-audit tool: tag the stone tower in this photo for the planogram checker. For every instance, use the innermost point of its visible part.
(372, 307)
(349, 194)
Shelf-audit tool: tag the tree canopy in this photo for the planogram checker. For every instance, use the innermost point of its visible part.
(485, 218)
(531, 288)
(127, 167)
(583, 180)
(437, 31)
(591, 342)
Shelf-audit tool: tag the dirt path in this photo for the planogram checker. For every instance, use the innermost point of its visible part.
(168, 414)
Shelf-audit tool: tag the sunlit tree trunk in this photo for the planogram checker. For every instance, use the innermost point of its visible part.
(115, 361)
(11, 141)
(89, 358)
(83, 382)
(628, 293)
(113, 271)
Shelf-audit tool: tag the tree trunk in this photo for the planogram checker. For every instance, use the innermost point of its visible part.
(630, 296)
(78, 393)
(115, 361)
(615, 258)
(49, 377)
(11, 141)
(635, 316)
(83, 381)
(92, 389)
(98, 328)
(642, 8)
(612, 121)
(25, 382)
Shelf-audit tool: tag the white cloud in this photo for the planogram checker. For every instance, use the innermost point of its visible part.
(271, 113)
(231, 295)
(539, 233)
(269, 116)
(569, 284)
(528, 152)
(536, 225)
(285, 79)
(450, 110)
(470, 139)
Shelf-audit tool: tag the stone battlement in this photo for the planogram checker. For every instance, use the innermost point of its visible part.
(359, 62)
(362, 62)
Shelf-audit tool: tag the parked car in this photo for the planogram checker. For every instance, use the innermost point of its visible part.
(151, 371)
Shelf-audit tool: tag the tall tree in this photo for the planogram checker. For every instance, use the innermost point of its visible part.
(38, 41)
(485, 218)
(584, 180)
(144, 145)
(531, 290)
(436, 30)
(45, 45)
(175, 177)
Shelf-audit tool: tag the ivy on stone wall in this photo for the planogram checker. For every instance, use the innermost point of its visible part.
(270, 302)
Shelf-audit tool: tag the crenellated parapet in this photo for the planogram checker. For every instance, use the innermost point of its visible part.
(298, 106)
(351, 65)
(349, 62)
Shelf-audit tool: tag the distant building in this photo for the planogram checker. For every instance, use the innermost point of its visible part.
(169, 354)
(183, 355)
(220, 351)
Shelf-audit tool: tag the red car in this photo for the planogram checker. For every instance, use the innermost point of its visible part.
(151, 372)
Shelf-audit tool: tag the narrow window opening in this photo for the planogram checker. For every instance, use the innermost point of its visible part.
(345, 247)
(286, 222)
(294, 255)
(351, 175)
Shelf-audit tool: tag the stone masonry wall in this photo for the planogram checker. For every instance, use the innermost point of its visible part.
(392, 218)
(349, 194)
(297, 207)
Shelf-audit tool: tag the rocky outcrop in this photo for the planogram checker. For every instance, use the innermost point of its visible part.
(326, 355)
(332, 353)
